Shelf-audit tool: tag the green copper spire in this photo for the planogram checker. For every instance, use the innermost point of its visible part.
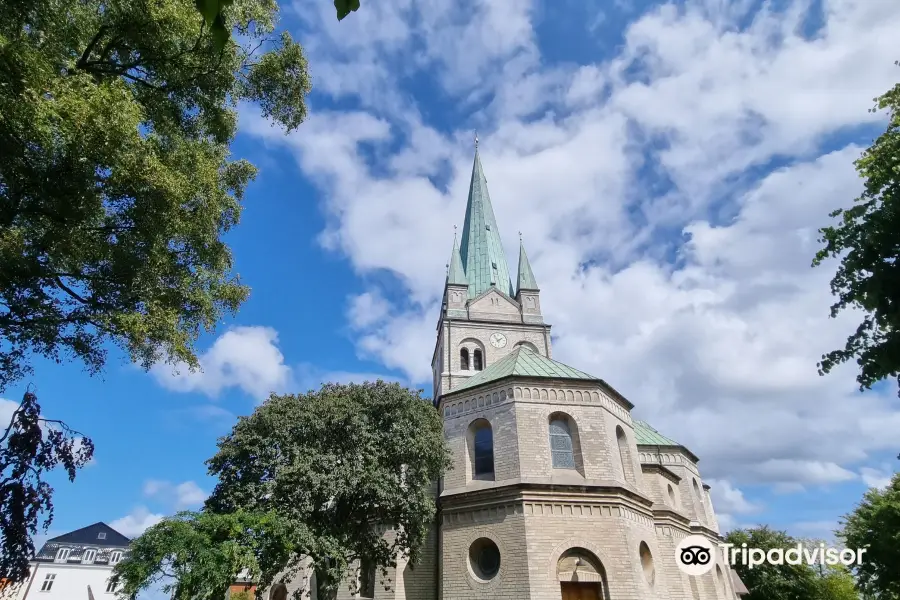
(526, 280)
(482, 251)
(456, 274)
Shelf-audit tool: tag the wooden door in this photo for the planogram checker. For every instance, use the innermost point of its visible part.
(572, 590)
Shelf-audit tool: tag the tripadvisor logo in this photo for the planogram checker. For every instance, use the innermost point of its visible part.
(697, 555)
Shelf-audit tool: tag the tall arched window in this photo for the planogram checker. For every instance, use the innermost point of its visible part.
(464, 359)
(700, 510)
(625, 455)
(479, 363)
(482, 436)
(561, 447)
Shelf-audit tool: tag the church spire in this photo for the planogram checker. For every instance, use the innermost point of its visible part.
(526, 280)
(456, 275)
(481, 251)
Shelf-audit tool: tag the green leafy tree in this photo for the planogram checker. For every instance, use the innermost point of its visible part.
(772, 582)
(790, 582)
(338, 467)
(29, 447)
(116, 185)
(875, 525)
(115, 181)
(867, 238)
(214, 14)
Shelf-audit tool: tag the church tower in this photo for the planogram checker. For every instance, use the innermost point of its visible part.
(483, 318)
(555, 491)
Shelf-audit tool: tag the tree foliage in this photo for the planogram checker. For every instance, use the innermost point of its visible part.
(867, 238)
(785, 581)
(30, 446)
(116, 185)
(213, 13)
(875, 525)
(335, 468)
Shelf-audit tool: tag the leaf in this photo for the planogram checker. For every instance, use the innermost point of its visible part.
(345, 7)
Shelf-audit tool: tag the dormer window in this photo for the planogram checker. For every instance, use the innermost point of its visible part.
(89, 555)
(62, 555)
(101, 535)
(115, 557)
(487, 226)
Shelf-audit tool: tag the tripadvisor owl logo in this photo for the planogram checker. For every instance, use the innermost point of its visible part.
(695, 555)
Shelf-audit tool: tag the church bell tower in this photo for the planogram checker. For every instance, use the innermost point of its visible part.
(483, 317)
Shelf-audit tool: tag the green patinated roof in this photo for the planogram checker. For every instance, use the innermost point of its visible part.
(648, 436)
(526, 363)
(456, 274)
(481, 250)
(526, 280)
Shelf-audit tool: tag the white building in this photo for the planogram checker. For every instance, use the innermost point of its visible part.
(74, 566)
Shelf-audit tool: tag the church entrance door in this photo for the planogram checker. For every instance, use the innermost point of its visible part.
(572, 590)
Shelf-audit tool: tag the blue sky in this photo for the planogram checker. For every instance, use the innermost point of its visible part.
(668, 166)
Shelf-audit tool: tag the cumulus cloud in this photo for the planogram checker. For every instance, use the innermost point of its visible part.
(877, 478)
(136, 522)
(180, 496)
(247, 358)
(669, 196)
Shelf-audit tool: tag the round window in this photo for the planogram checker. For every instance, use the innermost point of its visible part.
(484, 558)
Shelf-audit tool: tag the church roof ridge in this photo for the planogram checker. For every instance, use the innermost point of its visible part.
(524, 362)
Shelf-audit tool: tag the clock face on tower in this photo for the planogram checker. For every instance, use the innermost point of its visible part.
(498, 340)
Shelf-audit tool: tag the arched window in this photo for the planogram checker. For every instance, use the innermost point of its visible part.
(279, 592)
(624, 455)
(482, 436)
(561, 447)
(672, 495)
(464, 359)
(698, 500)
(479, 363)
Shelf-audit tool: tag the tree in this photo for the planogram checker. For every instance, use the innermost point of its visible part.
(330, 470)
(214, 11)
(785, 581)
(868, 238)
(115, 181)
(31, 446)
(116, 186)
(875, 525)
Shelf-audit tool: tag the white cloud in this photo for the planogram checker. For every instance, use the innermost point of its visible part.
(135, 523)
(243, 357)
(180, 496)
(877, 478)
(7, 408)
(730, 499)
(673, 257)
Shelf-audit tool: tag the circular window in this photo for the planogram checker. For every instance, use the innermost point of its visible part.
(484, 558)
(647, 563)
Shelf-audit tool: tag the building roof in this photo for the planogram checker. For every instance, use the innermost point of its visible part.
(456, 274)
(481, 250)
(98, 534)
(525, 362)
(526, 280)
(739, 588)
(647, 436)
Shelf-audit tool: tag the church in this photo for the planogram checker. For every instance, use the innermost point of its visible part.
(556, 491)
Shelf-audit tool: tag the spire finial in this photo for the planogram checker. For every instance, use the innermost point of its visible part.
(476, 139)
(520, 236)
